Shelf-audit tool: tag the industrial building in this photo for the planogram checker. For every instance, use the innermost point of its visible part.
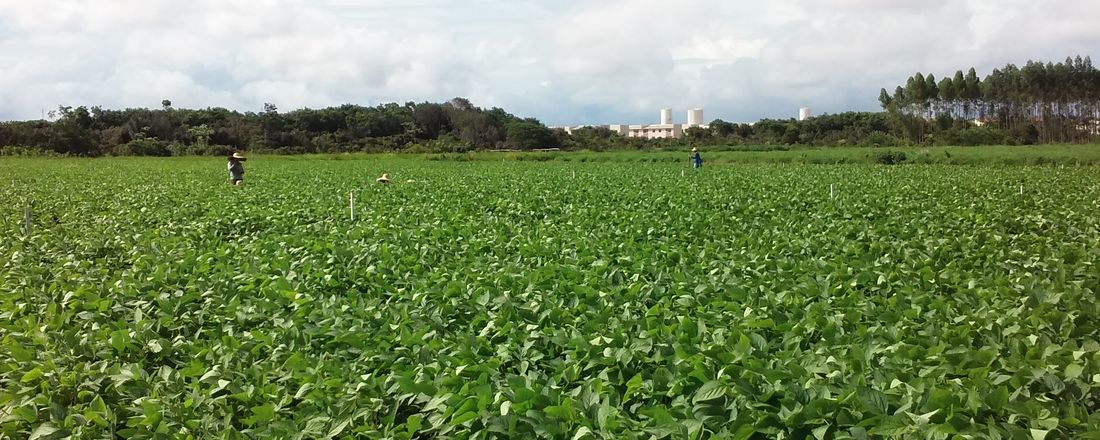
(667, 128)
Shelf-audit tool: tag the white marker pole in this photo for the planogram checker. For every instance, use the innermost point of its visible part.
(832, 191)
(27, 220)
(351, 202)
(1021, 190)
(681, 173)
(574, 174)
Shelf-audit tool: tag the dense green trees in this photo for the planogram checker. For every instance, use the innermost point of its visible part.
(1037, 103)
(454, 126)
(529, 134)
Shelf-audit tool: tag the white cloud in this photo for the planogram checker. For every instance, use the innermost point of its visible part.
(712, 51)
(561, 61)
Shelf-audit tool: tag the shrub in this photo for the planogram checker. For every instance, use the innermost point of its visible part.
(141, 147)
(972, 136)
(889, 157)
(880, 139)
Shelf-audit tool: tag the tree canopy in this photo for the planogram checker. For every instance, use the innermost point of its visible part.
(1037, 103)
(454, 126)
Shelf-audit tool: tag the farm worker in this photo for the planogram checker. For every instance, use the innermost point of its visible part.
(696, 160)
(236, 168)
(384, 179)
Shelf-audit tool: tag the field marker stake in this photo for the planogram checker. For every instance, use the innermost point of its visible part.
(574, 174)
(681, 173)
(1021, 190)
(832, 191)
(351, 201)
(27, 220)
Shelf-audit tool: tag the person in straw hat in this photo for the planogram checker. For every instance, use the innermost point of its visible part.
(384, 179)
(236, 169)
(696, 159)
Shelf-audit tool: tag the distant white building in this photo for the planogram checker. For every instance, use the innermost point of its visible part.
(664, 130)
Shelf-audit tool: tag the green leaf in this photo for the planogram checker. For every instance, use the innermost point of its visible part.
(710, 391)
(1073, 371)
(694, 428)
(858, 433)
(296, 362)
(120, 339)
(632, 386)
(19, 353)
(582, 432)
(98, 405)
(32, 375)
(263, 413)
(940, 399)
(1039, 434)
(97, 412)
(743, 346)
(192, 370)
(997, 399)
(339, 427)
(413, 424)
(43, 431)
(873, 400)
(602, 415)
(303, 390)
(464, 417)
(744, 432)
(505, 407)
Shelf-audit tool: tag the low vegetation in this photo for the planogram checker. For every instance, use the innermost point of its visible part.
(146, 298)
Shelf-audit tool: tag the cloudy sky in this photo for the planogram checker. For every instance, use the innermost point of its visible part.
(564, 62)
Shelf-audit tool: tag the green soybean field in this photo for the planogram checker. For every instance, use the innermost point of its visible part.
(147, 298)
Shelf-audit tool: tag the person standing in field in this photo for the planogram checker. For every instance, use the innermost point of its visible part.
(236, 169)
(696, 159)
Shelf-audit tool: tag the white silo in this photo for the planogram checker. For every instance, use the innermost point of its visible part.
(804, 114)
(666, 116)
(695, 117)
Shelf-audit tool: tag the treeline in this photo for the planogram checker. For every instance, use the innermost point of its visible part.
(862, 129)
(1036, 103)
(455, 126)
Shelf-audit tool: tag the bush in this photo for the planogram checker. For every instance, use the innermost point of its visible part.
(141, 147)
(880, 139)
(889, 157)
(445, 144)
(973, 136)
(180, 149)
(28, 152)
(1023, 135)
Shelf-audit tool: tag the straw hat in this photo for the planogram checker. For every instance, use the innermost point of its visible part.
(237, 156)
(693, 149)
(384, 179)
